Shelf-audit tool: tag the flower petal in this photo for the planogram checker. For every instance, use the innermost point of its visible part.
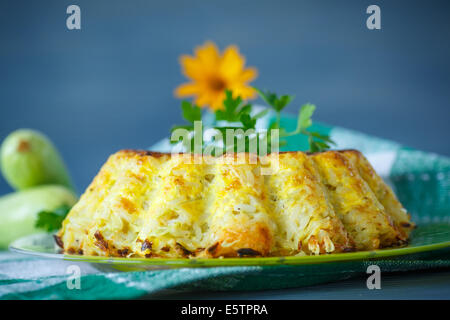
(217, 103)
(188, 89)
(245, 92)
(248, 74)
(192, 67)
(232, 62)
(208, 55)
(204, 99)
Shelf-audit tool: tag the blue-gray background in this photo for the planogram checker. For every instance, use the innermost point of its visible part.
(110, 85)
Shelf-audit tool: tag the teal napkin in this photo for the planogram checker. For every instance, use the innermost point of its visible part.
(421, 181)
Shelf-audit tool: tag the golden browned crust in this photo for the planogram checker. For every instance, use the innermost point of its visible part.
(152, 204)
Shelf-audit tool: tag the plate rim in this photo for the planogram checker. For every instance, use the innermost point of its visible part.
(15, 246)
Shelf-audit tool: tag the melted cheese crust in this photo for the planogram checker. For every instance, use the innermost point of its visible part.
(145, 204)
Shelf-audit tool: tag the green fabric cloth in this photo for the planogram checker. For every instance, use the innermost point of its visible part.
(421, 181)
(125, 285)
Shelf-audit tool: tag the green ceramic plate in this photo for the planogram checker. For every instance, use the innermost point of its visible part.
(425, 238)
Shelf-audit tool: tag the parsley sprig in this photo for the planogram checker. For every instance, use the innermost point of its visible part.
(239, 116)
(51, 220)
(236, 111)
(191, 113)
(277, 103)
(317, 142)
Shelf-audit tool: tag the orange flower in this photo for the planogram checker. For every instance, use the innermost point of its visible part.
(211, 73)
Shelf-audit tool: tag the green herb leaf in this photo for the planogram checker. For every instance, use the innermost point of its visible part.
(317, 142)
(274, 125)
(52, 220)
(322, 137)
(268, 96)
(261, 114)
(248, 122)
(235, 111)
(232, 108)
(271, 98)
(313, 147)
(191, 112)
(304, 117)
(247, 109)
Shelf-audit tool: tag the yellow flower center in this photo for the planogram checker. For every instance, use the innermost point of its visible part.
(217, 84)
